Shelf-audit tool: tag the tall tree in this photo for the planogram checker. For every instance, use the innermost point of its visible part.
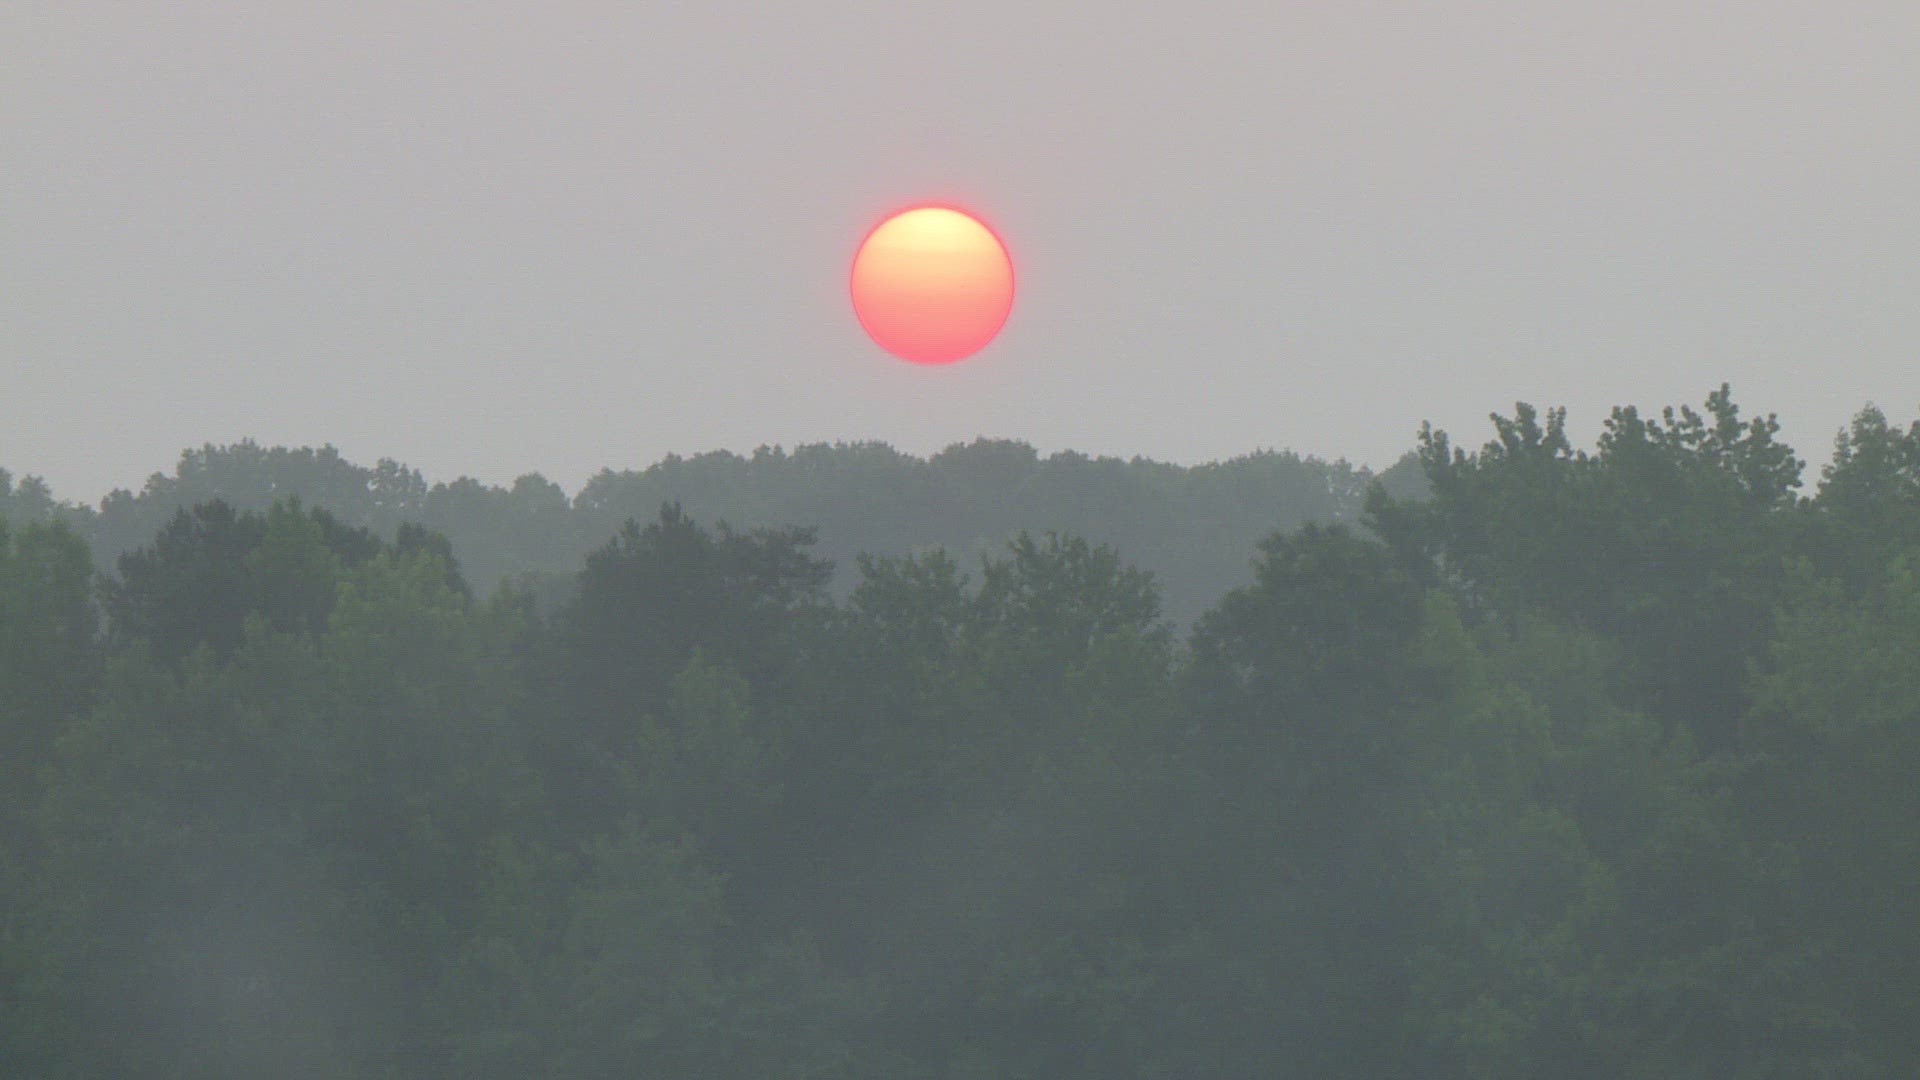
(1303, 693)
(1665, 539)
(213, 568)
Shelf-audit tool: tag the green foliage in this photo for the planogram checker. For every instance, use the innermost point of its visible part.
(1583, 763)
(28, 500)
(1667, 538)
(1835, 741)
(212, 569)
(50, 665)
(1875, 467)
(1194, 527)
(1303, 693)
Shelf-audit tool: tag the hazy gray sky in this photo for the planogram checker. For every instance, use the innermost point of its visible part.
(492, 238)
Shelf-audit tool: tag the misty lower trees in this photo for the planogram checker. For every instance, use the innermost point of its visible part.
(1303, 697)
(622, 950)
(1599, 766)
(253, 853)
(1829, 794)
(1595, 883)
(49, 654)
(968, 758)
(50, 664)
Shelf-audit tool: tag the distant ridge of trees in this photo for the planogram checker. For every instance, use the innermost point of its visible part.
(1195, 527)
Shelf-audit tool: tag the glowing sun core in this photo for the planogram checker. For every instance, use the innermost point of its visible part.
(932, 285)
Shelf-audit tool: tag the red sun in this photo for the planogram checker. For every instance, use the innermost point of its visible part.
(932, 285)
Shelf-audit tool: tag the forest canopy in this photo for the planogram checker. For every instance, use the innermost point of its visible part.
(1514, 761)
(1194, 526)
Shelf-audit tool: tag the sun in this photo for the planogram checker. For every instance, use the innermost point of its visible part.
(932, 284)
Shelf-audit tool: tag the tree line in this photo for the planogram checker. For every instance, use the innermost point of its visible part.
(1192, 525)
(1582, 762)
